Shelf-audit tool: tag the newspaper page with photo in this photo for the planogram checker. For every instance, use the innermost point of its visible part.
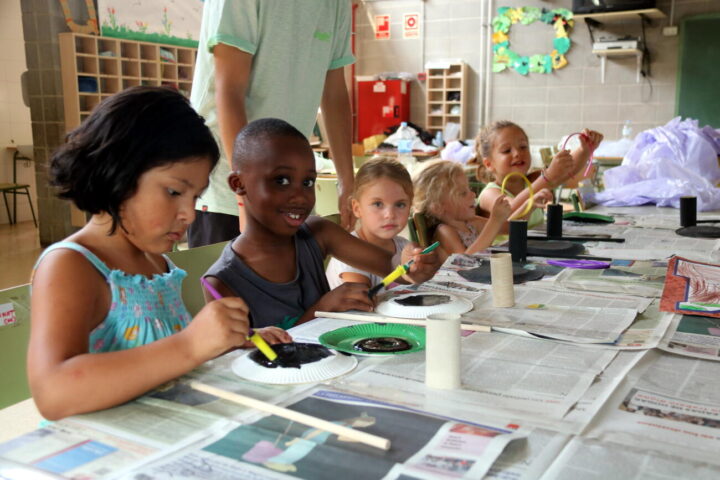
(501, 374)
(423, 446)
(168, 419)
(693, 336)
(641, 244)
(592, 459)
(627, 277)
(691, 288)
(671, 401)
(10, 470)
(76, 451)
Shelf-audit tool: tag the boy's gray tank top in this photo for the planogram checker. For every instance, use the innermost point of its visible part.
(276, 304)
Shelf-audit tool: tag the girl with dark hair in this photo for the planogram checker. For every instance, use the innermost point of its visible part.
(108, 322)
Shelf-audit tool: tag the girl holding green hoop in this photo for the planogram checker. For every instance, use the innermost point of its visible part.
(503, 152)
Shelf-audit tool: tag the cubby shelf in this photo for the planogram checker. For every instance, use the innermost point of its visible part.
(446, 97)
(94, 68)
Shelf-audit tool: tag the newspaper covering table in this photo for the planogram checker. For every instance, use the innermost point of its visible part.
(571, 407)
(671, 402)
(424, 446)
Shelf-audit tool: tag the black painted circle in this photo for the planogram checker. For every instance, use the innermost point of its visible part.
(382, 344)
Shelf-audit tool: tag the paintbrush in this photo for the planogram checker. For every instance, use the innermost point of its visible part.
(399, 271)
(253, 336)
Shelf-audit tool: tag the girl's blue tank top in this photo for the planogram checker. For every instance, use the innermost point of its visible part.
(142, 309)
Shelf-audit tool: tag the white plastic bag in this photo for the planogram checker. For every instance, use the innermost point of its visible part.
(664, 164)
(457, 152)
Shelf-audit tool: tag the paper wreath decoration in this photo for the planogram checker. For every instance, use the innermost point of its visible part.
(503, 58)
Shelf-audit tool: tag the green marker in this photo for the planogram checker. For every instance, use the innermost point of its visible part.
(398, 272)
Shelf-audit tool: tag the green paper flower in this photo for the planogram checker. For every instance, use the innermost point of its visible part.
(530, 15)
(501, 24)
(514, 57)
(547, 64)
(521, 65)
(562, 44)
(536, 64)
(499, 67)
(499, 46)
(547, 17)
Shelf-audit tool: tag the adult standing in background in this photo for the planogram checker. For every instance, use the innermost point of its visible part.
(270, 58)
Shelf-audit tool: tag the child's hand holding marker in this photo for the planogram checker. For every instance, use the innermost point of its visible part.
(420, 265)
(238, 311)
(227, 318)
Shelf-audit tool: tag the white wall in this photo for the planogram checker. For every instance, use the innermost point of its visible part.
(547, 106)
(15, 124)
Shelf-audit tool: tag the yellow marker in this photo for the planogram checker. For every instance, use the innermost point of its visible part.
(253, 336)
(399, 271)
(262, 345)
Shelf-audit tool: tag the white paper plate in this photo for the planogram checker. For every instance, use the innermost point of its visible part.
(392, 308)
(324, 369)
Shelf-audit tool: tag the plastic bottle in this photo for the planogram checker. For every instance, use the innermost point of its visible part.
(405, 155)
(405, 132)
(627, 130)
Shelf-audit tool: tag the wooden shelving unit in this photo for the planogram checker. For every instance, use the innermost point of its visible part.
(93, 68)
(446, 97)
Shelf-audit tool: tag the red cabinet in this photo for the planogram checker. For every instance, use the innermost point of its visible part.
(381, 104)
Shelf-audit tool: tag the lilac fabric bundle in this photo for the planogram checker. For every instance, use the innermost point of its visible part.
(664, 164)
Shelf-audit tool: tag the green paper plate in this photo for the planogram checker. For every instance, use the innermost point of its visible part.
(344, 339)
(588, 217)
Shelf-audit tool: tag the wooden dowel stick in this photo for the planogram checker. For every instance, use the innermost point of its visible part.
(403, 321)
(309, 420)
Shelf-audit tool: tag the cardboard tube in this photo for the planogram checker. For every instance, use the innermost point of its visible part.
(442, 351)
(501, 276)
(518, 240)
(688, 211)
(554, 220)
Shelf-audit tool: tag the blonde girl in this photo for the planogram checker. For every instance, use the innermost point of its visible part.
(443, 195)
(381, 202)
(503, 148)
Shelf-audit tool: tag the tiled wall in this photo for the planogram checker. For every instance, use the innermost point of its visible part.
(14, 115)
(42, 20)
(547, 106)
